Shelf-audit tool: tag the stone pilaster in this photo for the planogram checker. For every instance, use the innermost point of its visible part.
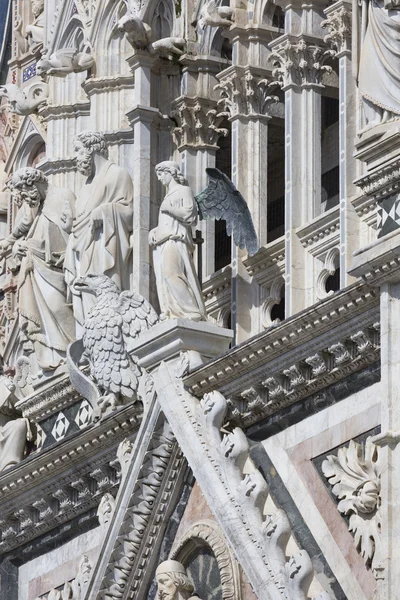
(142, 116)
(299, 68)
(246, 97)
(338, 26)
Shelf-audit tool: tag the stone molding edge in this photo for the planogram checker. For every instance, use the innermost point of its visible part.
(145, 499)
(316, 320)
(208, 533)
(236, 498)
(315, 234)
(306, 376)
(50, 462)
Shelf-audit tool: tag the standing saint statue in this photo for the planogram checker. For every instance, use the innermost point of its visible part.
(178, 287)
(38, 241)
(376, 58)
(173, 582)
(99, 243)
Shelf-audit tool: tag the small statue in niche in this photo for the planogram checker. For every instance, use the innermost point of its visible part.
(65, 61)
(376, 49)
(178, 286)
(173, 582)
(100, 232)
(34, 33)
(111, 325)
(38, 242)
(14, 430)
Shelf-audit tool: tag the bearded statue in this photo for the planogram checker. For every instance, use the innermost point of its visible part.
(100, 242)
(173, 582)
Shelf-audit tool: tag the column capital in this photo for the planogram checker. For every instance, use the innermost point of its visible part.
(338, 24)
(299, 61)
(141, 58)
(246, 92)
(198, 123)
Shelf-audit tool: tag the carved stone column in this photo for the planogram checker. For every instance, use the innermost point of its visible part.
(299, 67)
(196, 135)
(246, 97)
(338, 25)
(142, 117)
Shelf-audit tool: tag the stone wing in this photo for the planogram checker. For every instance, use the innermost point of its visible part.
(137, 314)
(221, 200)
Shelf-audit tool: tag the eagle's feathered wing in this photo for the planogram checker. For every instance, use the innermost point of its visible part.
(107, 333)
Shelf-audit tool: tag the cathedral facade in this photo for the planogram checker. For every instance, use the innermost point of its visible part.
(200, 300)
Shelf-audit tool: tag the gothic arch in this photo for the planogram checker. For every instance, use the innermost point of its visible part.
(207, 534)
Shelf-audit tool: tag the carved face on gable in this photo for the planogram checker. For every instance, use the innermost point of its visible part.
(167, 590)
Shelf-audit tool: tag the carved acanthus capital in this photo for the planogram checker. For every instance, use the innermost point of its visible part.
(198, 122)
(338, 24)
(245, 93)
(299, 61)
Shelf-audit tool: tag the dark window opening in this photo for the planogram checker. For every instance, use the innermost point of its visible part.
(278, 20)
(329, 112)
(330, 188)
(278, 310)
(276, 182)
(223, 162)
(332, 284)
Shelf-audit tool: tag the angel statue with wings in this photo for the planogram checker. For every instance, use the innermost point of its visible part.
(178, 287)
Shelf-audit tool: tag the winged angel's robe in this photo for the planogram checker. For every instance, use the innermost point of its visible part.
(46, 321)
(178, 287)
(108, 250)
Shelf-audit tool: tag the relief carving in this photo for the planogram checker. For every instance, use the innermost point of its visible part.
(355, 476)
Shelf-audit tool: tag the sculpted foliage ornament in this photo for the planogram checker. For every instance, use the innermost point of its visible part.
(244, 93)
(298, 62)
(355, 476)
(338, 24)
(198, 122)
(111, 324)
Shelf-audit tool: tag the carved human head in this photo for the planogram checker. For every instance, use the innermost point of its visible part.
(168, 170)
(37, 7)
(87, 144)
(28, 185)
(173, 581)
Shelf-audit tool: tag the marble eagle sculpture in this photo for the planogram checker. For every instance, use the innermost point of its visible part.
(221, 200)
(111, 325)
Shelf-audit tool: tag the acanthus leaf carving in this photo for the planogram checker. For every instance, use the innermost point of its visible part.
(298, 62)
(244, 93)
(198, 122)
(355, 478)
(338, 24)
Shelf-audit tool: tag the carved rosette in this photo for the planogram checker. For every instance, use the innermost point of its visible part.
(245, 93)
(299, 61)
(198, 122)
(338, 24)
(355, 475)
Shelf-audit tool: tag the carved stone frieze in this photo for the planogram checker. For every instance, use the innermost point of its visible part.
(299, 61)
(246, 93)
(198, 122)
(307, 376)
(74, 589)
(355, 476)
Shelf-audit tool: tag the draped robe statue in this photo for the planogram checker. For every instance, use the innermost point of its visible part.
(178, 286)
(100, 235)
(376, 58)
(39, 241)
